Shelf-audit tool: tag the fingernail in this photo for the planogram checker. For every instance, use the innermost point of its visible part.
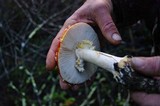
(137, 62)
(116, 37)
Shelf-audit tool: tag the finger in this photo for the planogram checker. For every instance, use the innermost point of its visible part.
(64, 85)
(107, 26)
(144, 99)
(50, 60)
(75, 87)
(147, 65)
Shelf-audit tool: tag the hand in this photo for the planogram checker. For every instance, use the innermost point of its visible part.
(97, 13)
(151, 67)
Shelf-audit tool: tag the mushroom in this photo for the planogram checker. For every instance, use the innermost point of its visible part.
(78, 55)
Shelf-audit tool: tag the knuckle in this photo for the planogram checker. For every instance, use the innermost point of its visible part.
(108, 26)
(67, 22)
(70, 21)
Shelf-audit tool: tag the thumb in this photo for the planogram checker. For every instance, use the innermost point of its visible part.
(150, 99)
(147, 65)
(107, 26)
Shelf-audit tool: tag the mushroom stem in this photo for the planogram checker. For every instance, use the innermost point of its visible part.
(103, 60)
(78, 47)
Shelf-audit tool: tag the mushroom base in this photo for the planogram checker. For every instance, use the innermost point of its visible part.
(133, 80)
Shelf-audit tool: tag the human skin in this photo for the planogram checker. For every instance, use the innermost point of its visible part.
(99, 13)
(149, 66)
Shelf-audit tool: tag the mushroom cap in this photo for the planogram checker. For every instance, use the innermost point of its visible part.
(67, 56)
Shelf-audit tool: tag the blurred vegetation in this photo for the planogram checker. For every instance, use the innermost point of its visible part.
(26, 31)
